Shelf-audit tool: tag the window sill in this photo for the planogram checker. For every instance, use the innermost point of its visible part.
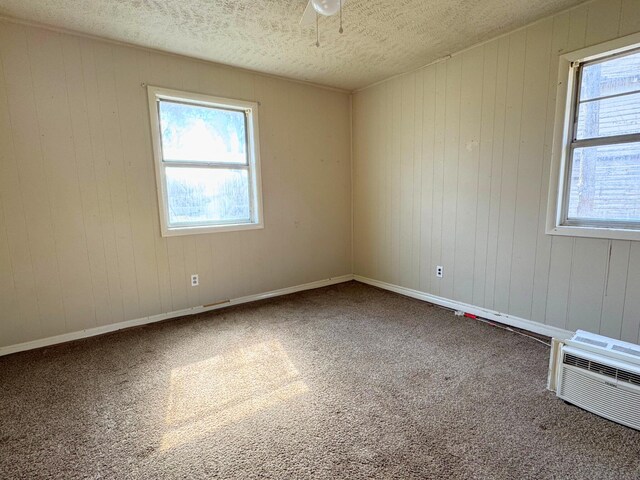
(594, 232)
(177, 231)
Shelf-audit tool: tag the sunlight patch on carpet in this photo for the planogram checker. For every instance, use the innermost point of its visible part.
(225, 389)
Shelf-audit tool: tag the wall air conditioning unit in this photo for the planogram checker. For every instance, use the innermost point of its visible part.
(598, 374)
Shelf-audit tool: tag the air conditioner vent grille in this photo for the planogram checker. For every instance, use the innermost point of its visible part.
(627, 350)
(591, 341)
(618, 374)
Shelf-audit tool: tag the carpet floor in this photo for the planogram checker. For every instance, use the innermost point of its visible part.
(347, 381)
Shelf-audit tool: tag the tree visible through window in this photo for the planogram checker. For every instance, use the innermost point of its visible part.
(206, 160)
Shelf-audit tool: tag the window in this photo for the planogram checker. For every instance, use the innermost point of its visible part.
(597, 157)
(207, 162)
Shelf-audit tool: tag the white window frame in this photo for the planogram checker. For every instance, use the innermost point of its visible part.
(250, 109)
(567, 94)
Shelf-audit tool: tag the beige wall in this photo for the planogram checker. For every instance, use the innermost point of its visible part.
(80, 243)
(451, 167)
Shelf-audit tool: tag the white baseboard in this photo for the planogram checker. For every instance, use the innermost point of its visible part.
(497, 317)
(481, 312)
(91, 332)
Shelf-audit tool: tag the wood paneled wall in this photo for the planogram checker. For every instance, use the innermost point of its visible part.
(80, 242)
(451, 167)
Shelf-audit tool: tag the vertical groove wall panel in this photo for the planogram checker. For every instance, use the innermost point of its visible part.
(80, 242)
(440, 102)
(390, 168)
(468, 165)
(59, 166)
(530, 167)
(364, 256)
(396, 175)
(426, 188)
(416, 220)
(487, 203)
(105, 238)
(84, 167)
(10, 327)
(119, 188)
(273, 140)
(603, 21)
(559, 281)
(497, 160)
(382, 254)
(43, 308)
(485, 147)
(379, 153)
(629, 18)
(588, 270)
(191, 266)
(541, 277)
(615, 288)
(18, 284)
(408, 107)
(511, 159)
(452, 115)
(630, 329)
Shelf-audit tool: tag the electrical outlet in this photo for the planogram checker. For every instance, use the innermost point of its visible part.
(195, 280)
(439, 271)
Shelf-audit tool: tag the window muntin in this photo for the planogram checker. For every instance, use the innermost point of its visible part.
(603, 165)
(207, 165)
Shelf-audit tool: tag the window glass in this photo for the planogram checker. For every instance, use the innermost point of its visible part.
(611, 77)
(605, 183)
(195, 133)
(207, 195)
(609, 117)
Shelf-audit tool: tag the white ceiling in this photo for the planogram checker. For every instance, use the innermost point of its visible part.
(382, 37)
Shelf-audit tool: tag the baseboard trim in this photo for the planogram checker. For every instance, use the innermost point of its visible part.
(497, 317)
(92, 332)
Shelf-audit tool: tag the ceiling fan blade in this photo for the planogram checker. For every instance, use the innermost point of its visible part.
(309, 16)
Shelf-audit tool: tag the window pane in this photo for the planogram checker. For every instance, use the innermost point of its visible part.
(611, 77)
(202, 134)
(611, 116)
(207, 195)
(605, 183)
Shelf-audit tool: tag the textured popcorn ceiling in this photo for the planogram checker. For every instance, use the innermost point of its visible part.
(382, 37)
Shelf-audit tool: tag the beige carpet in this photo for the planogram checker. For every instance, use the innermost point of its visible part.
(342, 382)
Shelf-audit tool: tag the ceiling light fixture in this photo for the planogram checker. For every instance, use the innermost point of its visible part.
(326, 8)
